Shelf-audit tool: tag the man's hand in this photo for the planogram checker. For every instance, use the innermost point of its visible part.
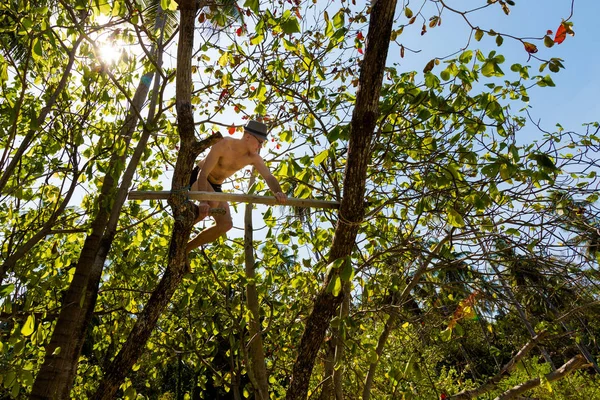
(281, 197)
(203, 210)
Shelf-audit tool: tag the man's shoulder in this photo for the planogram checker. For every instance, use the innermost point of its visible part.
(223, 144)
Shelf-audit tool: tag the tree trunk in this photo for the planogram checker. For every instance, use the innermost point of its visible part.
(389, 325)
(184, 214)
(328, 392)
(56, 375)
(340, 343)
(364, 118)
(257, 366)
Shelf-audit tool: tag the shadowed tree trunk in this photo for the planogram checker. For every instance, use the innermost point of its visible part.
(257, 366)
(183, 212)
(340, 343)
(327, 391)
(364, 119)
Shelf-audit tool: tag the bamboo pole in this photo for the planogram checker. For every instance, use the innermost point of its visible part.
(235, 198)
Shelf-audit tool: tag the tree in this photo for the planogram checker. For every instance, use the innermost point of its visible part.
(463, 254)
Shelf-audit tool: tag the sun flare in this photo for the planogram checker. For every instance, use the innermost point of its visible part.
(110, 53)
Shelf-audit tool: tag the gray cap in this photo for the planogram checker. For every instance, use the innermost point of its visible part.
(257, 129)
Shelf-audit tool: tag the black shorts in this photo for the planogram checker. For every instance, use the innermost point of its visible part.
(216, 186)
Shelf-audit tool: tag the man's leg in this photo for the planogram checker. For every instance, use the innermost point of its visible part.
(223, 223)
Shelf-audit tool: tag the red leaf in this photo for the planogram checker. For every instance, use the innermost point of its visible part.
(530, 47)
(240, 31)
(549, 32)
(360, 51)
(202, 18)
(231, 130)
(278, 146)
(360, 36)
(561, 34)
(297, 10)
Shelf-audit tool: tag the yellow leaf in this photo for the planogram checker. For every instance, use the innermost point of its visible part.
(224, 59)
(29, 325)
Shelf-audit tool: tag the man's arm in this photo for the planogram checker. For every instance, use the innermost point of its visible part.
(272, 182)
(208, 165)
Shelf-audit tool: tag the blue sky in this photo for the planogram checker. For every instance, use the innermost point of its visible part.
(573, 101)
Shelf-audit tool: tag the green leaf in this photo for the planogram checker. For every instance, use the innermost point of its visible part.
(466, 56)
(545, 81)
(290, 26)
(335, 285)
(329, 29)
(446, 335)
(478, 34)
(544, 162)
(5, 290)
(319, 158)
(454, 218)
(253, 5)
(348, 271)
(490, 68)
(445, 74)
(165, 4)
(9, 379)
(336, 264)
(37, 50)
(338, 19)
(130, 393)
(309, 121)
(29, 326)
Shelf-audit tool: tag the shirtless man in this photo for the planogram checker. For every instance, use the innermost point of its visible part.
(225, 158)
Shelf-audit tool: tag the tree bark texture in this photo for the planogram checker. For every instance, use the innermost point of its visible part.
(327, 390)
(184, 215)
(340, 344)
(255, 345)
(364, 119)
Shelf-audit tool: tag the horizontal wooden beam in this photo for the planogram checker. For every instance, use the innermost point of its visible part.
(235, 198)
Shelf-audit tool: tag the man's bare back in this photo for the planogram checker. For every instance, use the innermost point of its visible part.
(225, 158)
